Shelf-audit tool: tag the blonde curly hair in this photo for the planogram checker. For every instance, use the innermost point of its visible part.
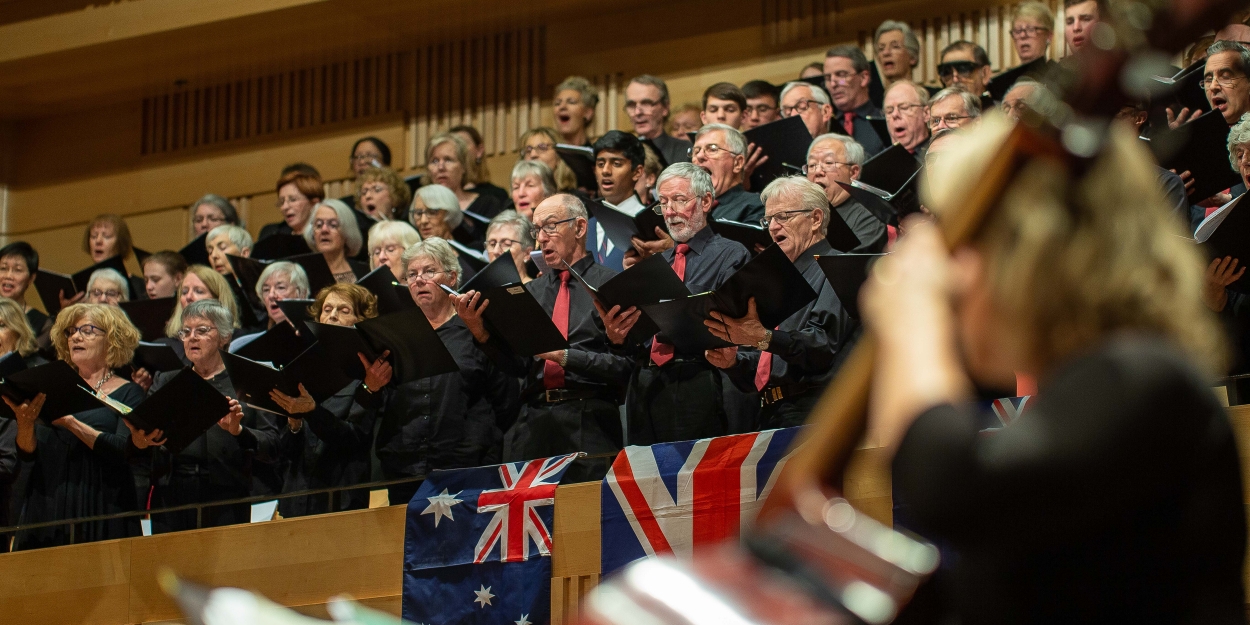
(121, 334)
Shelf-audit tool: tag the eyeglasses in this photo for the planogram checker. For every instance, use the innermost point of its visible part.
(759, 109)
(949, 69)
(825, 165)
(418, 213)
(440, 163)
(425, 276)
(503, 243)
(110, 294)
(199, 332)
(1226, 81)
(644, 105)
(840, 78)
(333, 224)
(1027, 31)
(208, 217)
(903, 109)
(290, 200)
(893, 46)
(711, 149)
(376, 188)
(389, 249)
(549, 227)
(676, 203)
(87, 330)
(799, 107)
(783, 217)
(951, 119)
(541, 148)
(365, 158)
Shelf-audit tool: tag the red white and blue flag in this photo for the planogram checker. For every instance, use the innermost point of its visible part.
(673, 497)
(477, 546)
(1005, 411)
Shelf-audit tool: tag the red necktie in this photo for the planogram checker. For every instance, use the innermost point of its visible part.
(764, 370)
(662, 352)
(848, 123)
(553, 374)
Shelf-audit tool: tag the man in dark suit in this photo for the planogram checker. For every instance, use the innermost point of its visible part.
(847, 79)
(722, 151)
(647, 104)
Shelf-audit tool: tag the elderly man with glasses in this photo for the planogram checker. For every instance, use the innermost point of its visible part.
(803, 353)
(907, 113)
(646, 104)
(834, 158)
(721, 150)
(674, 395)
(965, 64)
(953, 107)
(847, 79)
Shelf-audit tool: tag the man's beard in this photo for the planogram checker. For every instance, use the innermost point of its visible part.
(685, 230)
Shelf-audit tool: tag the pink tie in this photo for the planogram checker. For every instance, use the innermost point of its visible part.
(662, 352)
(553, 374)
(764, 369)
(848, 123)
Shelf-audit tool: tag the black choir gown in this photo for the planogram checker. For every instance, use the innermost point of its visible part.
(1115, 498)
(69, 480)
(331, 449)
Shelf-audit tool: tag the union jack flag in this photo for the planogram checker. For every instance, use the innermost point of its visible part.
(672, 497)
(477, 548)
(1006, 410)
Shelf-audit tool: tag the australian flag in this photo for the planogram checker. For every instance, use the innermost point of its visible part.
(477, 547)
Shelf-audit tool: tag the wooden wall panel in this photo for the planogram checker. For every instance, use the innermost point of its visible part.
(75, 584)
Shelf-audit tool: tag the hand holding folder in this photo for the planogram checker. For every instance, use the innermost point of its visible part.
(511, 312)
(416, 352)
(182, 409)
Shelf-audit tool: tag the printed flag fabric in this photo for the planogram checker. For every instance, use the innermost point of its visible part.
(1001, 412)
(671, 497)
(477, 546)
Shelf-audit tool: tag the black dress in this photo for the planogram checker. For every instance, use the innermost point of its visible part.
(69, 480)
(331, 449)
(1115, 498)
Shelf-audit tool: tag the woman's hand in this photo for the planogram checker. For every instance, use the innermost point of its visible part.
(233, 421)
(470, 306)
(1220, 273)
(722, 357)
(27, 412)
(294, 405)
(617, 323)
(142, 378)
(377, 373)
(143, 440)
(73, 300)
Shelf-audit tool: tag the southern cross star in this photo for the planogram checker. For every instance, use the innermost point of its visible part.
(440, 506)
(483, 596)
(524, 620)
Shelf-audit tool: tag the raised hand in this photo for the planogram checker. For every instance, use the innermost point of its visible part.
(755, 158)
(745, 331)
(470, 306)
(617, 323)
(1176, 120)
(722, 357)
(233, 421)
(142, 378)
(73, 300)
(27, 412)
(1220, 273)
(294, 405)
(143, 440)
(377, 373)
(648, 248)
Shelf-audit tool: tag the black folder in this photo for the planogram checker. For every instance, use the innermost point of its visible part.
(248, 302)
(184, 408)
(156, 357)
(476, 260)
(150, 315)
(196, 252)
(783, 141)
(581, 160)
(296, 311)
(846, 274)
(49, 283)
(66, 392)
(278, 345)
(999, 85)
(620, 227)
(888, 206)
(11, 363)
(314, 368)
(1199, 147)
(1226, 232)
(749, 235)
(382, 283)
(514, 315)
(890, 170)
(1182, 90)
(317, 269)
(778, 287)
(648, 281)
(416, 350)
(280, 246)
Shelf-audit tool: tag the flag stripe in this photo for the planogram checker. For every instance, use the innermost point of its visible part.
(717, 483)
(637, 504)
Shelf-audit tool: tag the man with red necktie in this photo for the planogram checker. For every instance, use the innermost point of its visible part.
(570, 396)
(675, 396)
(847, 78)
(790, 364)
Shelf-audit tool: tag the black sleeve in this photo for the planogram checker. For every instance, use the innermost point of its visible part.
(115, 446)
(8, 451)
(261, 431)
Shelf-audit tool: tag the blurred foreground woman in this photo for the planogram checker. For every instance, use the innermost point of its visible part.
(1116, 496)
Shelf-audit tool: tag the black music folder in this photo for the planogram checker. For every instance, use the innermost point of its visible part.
(49, 284)
(778, 287)
(314, 368)
(887, 205)
(297, 313)
(150, 315)
(999, 85)
(890, 170)
(749, 235)
(382, 283)
(581, 160)
(1182, 90)
(247, 271)
(184, 408)
(11, 363)
(279, 345)
(279, 247)
(65, 390)
(846, 274)
(648, 281)
(196, 252)
(620, 226)
(416, 350)
(317, 269)
(475, 259)
(248, 302)
(513, 314)
(156, 357)
(1226, 232)
(783, 141)
(1201, 148)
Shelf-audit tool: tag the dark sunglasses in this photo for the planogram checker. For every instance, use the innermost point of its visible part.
(964, 68)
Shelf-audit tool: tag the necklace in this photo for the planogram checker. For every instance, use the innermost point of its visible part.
(104, 378)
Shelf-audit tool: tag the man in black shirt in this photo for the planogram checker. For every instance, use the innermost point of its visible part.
(646, 103)
(676, 396)
(800, 356)
(570, 396)
(722, 151)
(834, 158)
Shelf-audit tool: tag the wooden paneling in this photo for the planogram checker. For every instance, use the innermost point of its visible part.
(76, 584)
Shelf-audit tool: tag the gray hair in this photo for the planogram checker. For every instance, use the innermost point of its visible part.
(855, 154)
(909, 37)
(293, 272)
(818, 94)
(858, 61)
(515, 220)
(736, 140)
(438, 197)
(1243, 53)
(573, 206)
(700, 180)
(398, 231)
(438, 250)
(538, 169)
(972, 104)
(654, 81)
(809, 195)
(348, 228)
(111, 275)
(237, 235)
(214, 312)
(922, 94)
(220, 203)
(1239, 135)
(587, 91)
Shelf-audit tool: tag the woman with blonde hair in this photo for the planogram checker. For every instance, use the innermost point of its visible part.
(1116, 496)
(201, 282)
(79, 462)
(387, 242)
(539, 144)
(15, 332)
(382, 194)
(573, 110)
